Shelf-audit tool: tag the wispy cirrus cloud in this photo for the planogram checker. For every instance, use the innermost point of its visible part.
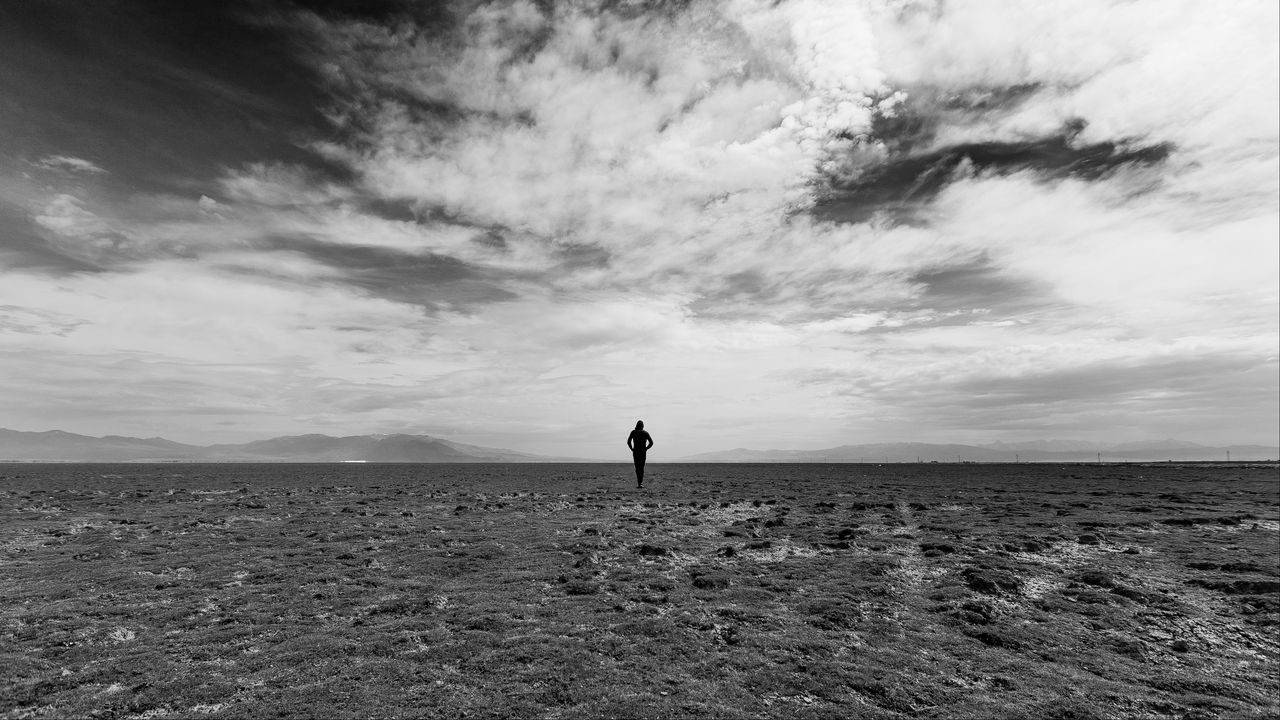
(70, 164)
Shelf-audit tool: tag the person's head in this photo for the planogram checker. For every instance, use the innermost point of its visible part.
(639, 424)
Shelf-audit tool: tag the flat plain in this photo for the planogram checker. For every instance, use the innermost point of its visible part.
(1054, 591)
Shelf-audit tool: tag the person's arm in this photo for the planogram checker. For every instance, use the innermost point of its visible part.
(648, 441)
(630, 439)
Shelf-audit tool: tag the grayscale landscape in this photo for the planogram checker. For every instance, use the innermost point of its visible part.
(640, 358)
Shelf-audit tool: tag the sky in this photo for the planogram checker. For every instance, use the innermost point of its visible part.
(793, 224)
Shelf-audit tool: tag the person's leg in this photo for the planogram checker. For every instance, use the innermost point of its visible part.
(639, 460)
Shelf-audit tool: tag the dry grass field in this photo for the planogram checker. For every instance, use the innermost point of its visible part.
(1076, 591)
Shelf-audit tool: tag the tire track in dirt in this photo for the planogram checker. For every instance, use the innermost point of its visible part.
(915, 576)
(904, 577)
(911, 569)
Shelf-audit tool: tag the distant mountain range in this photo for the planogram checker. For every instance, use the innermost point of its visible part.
(1039, 451)
(59, 446)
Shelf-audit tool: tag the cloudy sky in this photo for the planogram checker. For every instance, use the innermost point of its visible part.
(791, 224)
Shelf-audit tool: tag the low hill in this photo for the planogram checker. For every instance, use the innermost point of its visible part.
(57, 445)
(1155, 451)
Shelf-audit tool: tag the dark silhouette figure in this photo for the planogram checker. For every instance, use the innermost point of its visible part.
(639, 442)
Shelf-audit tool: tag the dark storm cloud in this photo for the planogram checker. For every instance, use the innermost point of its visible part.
(902, 186)
(916, 122)
(916, 169)
(430, 280)
(162, 94)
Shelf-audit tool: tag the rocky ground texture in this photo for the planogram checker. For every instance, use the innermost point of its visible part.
(1075, 591)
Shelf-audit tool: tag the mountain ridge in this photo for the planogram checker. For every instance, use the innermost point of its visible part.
(61, 446)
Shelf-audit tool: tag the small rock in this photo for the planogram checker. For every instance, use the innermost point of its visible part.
(1096, 578)
(991, 582)
(713, 581)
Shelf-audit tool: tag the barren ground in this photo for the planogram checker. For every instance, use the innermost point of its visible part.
(1073, 591)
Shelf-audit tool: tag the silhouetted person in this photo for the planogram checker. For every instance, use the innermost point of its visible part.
(639, 442)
